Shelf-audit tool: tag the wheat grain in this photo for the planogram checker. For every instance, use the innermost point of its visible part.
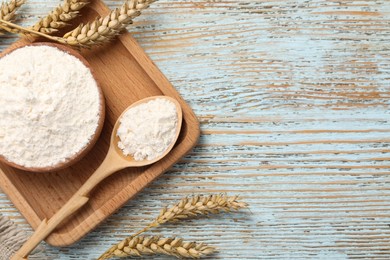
(103, 29)
(189, 207)
(7, 10)
(195, 206)
(59, 17)
(97, 32)
(199, 205)
(143, 246)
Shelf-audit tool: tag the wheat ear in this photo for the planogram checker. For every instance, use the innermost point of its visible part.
(191, 207)
(103, 29)
(141, 246)
(59, 17)
(100, 31)
(7, 10)
(199, 205)
(195, 206)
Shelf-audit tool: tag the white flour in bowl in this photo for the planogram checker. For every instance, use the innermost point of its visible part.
(49, 106)
(148, 129)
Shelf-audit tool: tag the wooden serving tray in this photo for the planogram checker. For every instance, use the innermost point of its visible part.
(126, 74)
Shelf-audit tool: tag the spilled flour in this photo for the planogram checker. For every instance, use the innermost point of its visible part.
(49, 106)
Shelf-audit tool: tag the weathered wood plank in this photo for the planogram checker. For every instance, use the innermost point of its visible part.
(293, 99)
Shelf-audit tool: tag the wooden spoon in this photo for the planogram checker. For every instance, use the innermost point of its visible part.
(114, 161)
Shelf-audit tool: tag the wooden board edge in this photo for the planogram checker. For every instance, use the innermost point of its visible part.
(18, 201)
(68, 238)
(71, 237)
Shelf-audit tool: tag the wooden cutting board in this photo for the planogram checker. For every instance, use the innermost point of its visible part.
(126, 74)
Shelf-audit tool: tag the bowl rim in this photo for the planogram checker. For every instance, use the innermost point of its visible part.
(86, 149)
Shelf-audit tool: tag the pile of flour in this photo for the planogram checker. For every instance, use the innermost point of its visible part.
(49, 106)
(147, 130)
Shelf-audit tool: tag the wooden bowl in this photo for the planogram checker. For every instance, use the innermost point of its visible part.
(80, 154)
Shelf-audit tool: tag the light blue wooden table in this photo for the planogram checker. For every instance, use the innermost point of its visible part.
(293, 99)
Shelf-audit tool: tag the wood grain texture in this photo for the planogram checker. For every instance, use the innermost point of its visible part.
(293, 100)
(125, 75)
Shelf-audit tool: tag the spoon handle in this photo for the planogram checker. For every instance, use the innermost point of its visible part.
(47, 226)
(79, 199)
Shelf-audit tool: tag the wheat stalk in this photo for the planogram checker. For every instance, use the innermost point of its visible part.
(59, 17)
(97, 32)
(7, 10)
(199, 205)
(103, 29)
(141, 246)
(195, 206)
(187, 208)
